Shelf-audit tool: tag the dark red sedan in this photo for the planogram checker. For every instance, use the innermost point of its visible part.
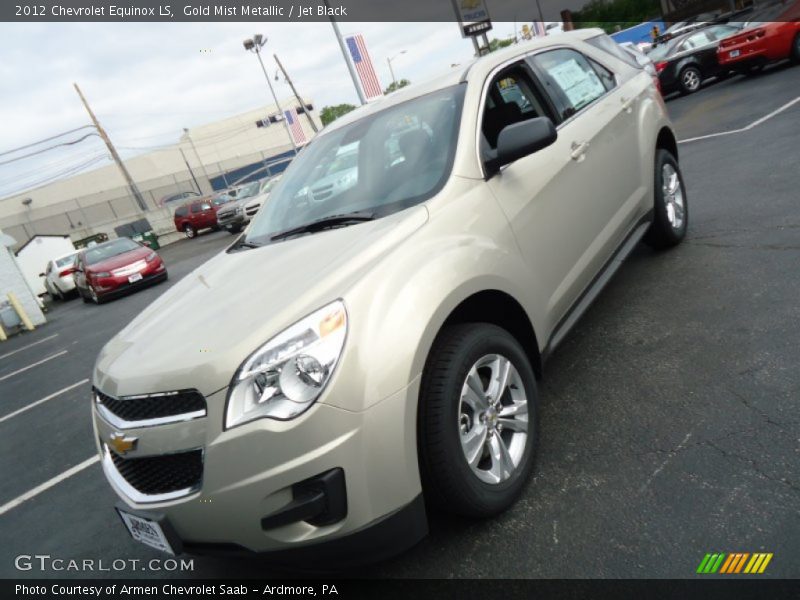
(773, 34)
(115, 267)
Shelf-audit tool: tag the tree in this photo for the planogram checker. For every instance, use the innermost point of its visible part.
(615, 13)
(496, 44)
(330, 113)
(396, 85)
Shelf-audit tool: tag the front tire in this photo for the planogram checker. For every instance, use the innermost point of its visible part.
(671, 209)
(189, 231)
(83, 296)
(477, 421)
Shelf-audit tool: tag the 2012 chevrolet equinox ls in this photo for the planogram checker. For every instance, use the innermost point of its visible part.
(375, 336)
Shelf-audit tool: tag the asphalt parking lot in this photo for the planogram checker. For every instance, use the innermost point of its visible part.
(669, 423)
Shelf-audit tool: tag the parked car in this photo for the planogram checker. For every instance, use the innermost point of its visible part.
(179, 197)
(384, 343)
(773, 34)
(58, 276)
(115, 267)
(249, 198)
(195, 216)
(253, 205)
(685, 62)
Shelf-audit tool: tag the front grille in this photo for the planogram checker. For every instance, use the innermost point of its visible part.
(153, 406)
(163, 474)
(251, 210)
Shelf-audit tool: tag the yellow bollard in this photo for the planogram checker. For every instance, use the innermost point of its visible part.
(23, 316)
(3, 336)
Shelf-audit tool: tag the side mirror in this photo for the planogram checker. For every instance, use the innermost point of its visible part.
(521, 139)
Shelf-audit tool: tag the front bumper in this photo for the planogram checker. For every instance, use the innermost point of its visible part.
(250, 472)
(228, 220)
(111, 286)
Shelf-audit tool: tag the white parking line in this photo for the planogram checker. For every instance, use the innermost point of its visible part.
(755, 123)
(45, 399)
(48, 484)
(2, 356)
(36, 364)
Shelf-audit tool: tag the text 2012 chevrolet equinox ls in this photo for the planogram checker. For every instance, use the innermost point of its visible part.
(375, 337)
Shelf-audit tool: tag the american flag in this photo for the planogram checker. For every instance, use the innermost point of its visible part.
(363, 64)
(294, 126)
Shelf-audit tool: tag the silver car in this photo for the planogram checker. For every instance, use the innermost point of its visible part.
(382, 346)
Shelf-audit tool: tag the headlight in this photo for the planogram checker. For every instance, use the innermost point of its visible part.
(151, 257)
(285, 376)
(103, 274)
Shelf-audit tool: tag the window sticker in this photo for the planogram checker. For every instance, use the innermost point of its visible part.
(580, 86)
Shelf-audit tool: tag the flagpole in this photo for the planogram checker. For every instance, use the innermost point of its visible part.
(347, 61)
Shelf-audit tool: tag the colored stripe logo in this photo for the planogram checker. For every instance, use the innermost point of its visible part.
(733, 563)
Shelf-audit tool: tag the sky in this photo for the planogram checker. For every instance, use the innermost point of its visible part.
(147, 81)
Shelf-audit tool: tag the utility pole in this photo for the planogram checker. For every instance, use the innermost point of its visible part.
(350, 68)
(188, 166)
(102, 132)
(296, 95)
(197, 156)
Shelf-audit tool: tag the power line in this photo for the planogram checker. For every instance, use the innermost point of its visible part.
(45, 140)
(43, 150)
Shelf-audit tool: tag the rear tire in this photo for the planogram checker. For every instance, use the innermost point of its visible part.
(796, 49)
(671, 210)
(234, 229)
(461, 406)
(83, 296)
(690, 80)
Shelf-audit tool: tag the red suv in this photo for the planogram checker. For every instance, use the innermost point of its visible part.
(199, 214)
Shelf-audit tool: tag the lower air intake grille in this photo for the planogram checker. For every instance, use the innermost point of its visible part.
(161, 474)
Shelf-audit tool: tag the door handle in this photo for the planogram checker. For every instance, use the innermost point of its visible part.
(627, 104)
(579, 150)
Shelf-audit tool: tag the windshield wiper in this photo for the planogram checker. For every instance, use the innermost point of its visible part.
(325, 223)
(242, 243)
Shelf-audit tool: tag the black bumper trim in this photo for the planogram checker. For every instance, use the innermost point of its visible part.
(387, 537)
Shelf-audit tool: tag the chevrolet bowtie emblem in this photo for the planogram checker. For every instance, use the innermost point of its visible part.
(122, 444)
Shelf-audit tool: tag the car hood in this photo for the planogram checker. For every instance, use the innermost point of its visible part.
(121, 260)
(231, 206)
(198, 332)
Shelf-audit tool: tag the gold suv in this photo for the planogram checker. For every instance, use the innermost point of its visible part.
(375, 336)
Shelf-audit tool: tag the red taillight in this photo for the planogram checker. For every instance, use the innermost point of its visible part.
(660, 66)
(66, 272)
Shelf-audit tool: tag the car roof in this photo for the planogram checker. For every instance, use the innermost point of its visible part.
(476, 68)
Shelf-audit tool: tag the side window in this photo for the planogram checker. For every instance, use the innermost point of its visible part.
(511, 98)
(182, 211)
(196, 209)
(606, 76)
(205, 206)
(695, 41)
(572, 80)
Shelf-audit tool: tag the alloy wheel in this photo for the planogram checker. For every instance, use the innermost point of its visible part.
(673, 196)
(493, 419)
(691, 80)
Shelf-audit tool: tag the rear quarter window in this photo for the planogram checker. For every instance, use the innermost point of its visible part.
(606, 44)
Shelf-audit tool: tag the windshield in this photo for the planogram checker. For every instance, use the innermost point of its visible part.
(380, 164)
(267, 185)
(247, 190)
(67, 260)
(104, 251)
(662, 50)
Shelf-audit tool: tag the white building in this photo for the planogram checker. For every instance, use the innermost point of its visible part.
(12, 280)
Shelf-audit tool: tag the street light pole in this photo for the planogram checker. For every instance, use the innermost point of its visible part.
(350, 68)
(391, 70)
(255, 45)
